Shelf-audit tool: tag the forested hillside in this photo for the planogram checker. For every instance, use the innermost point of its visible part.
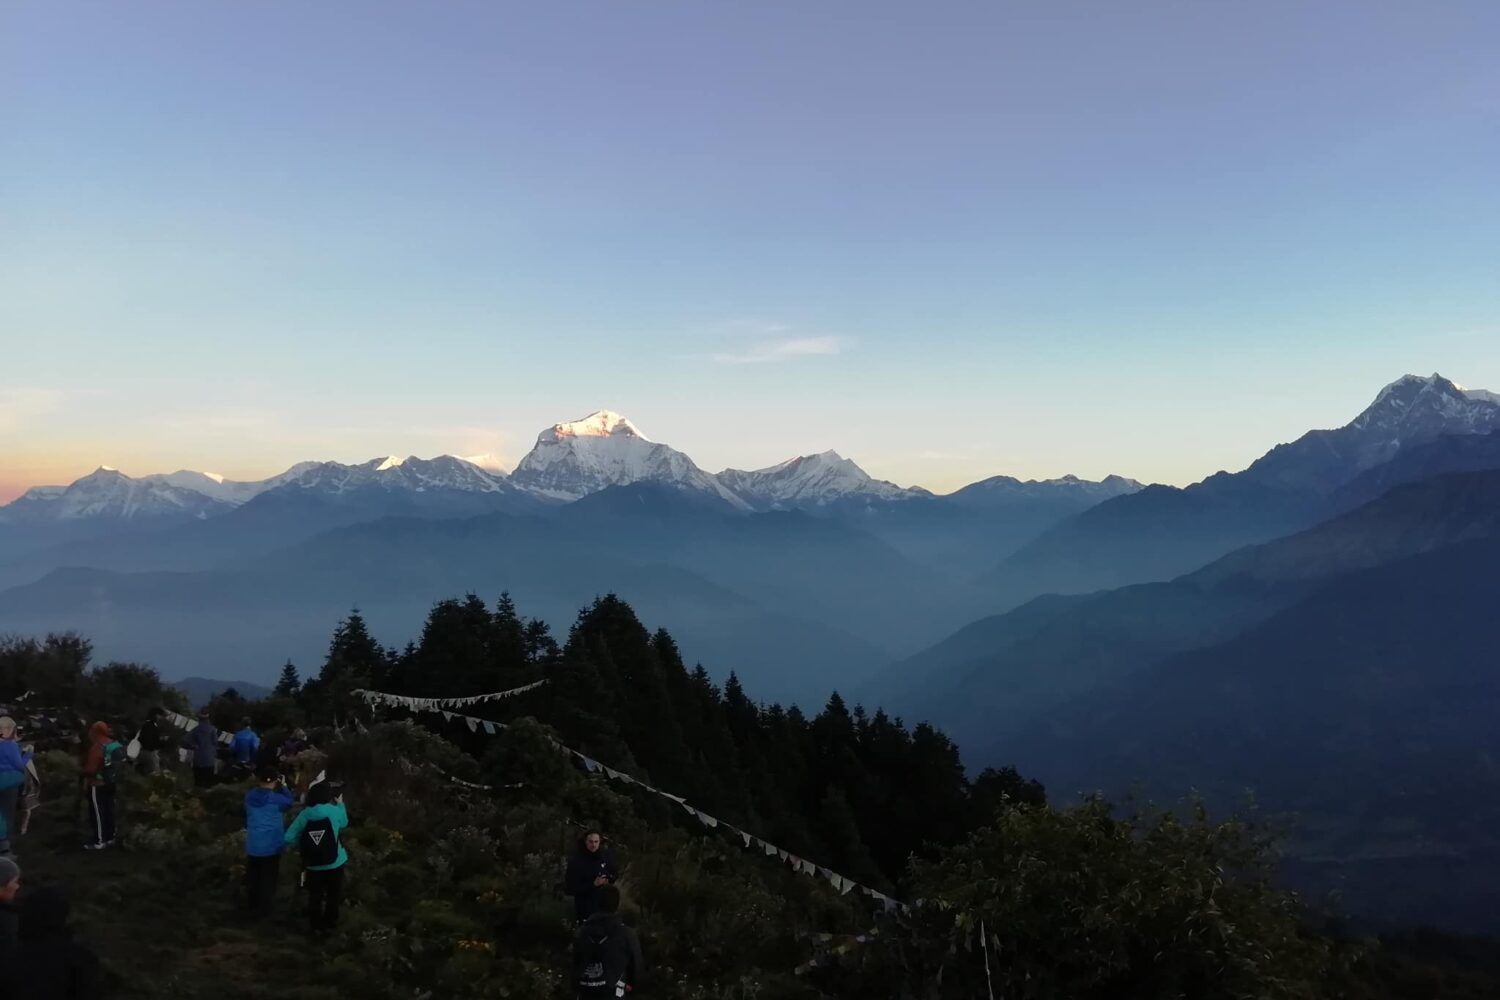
(459, 837)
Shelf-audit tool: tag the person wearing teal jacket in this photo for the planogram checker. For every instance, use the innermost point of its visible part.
(317, 833)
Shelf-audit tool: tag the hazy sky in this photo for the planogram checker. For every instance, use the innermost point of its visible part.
(947, 239)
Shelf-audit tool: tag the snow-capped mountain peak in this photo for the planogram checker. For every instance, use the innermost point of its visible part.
(572, 460)
(811, 481)
(489, 462)
(109, 493)
(1412, 410)
(600, 423)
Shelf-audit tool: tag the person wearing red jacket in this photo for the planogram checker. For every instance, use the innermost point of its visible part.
(101, 769)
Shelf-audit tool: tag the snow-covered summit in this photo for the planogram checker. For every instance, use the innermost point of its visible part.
(572, 460)
(489, 462)
(1412, 410)
(811, 481)
(600, 423)
(108, 493)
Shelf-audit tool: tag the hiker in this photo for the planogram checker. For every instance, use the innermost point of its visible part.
(101, 773)
(13, 761)
(55, 965)
(264, 805)
(606, 954)
(246, 743)
(590, 870)
(10, 913)
(203, 740)
(315, 832)
(289, 756)
(292, 745)
(155, 738)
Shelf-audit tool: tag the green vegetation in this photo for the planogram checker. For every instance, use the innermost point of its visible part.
(454, 891)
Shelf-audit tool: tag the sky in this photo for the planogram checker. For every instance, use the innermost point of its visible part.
(949, 240)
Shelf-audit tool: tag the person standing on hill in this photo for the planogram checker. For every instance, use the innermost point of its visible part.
(13, 761)
(264, 805)
(606, 954)
(589, 870)
(203, 740)
(154, 739)
(101, 773)
(246, 743)
(317, 833)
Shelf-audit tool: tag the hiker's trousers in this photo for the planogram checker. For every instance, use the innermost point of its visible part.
(102, 812)
(325, 889)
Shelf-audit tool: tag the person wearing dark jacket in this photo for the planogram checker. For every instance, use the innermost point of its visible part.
(10, 913)
(606, 954)
(589, 870)
(264, 806)
(55, 967)
(203, 740)
(155, 737)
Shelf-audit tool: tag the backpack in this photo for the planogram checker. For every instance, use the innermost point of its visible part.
(114, 759)
(319, 844)
(591, 961)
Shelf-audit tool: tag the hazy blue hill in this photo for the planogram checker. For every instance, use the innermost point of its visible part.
(793, 562)
(249, 620)
(955, 537)
(1449, 453)
(274, 519)
(1156, 534)
(200, 689)
(996, 676)
(1368, 708)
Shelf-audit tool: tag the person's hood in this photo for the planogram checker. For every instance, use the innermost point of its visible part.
(603, 922)
(256, 797)
(100, 732)
(247, 729)
(44, 913)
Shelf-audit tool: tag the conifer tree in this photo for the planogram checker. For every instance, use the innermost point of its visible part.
(355, 660)
(289, 683)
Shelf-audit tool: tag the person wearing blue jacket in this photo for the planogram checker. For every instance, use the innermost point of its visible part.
(13, 761)
(246, 744)
(317, 833)
(264, 805)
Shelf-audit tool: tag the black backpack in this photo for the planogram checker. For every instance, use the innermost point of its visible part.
(319, 844)
(592, 964)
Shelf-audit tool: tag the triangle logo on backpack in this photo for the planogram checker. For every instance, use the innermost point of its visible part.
(316, 836)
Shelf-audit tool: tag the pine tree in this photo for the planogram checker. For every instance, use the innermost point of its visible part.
(355, 660)
(289, 683)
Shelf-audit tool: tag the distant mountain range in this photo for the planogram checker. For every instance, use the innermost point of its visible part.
(568, 462)
(1161, 532)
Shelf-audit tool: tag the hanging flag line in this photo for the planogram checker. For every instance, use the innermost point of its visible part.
(798, 864)
(188, 725)
(438, 704)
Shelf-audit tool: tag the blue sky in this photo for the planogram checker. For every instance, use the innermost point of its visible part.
(948, 240)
